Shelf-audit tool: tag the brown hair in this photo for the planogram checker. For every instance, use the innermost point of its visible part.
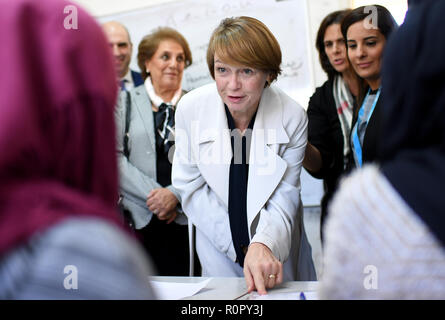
(150, 43)
(245, 41)
(385, 24)
(335, 17)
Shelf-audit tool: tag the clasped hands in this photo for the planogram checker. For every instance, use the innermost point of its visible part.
(162, 202)
(261, 269)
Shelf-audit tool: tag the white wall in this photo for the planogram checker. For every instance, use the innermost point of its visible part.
(99, 8)
(318, 9)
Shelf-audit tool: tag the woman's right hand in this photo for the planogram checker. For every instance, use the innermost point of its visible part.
(162, 202)
(261, 268)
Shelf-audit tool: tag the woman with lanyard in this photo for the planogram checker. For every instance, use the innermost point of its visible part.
(331, 110)
(366, 39)
(380, 220)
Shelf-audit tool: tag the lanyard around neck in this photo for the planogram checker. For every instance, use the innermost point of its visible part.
(355, 137)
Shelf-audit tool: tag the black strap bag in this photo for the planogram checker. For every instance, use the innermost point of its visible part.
(126, 214)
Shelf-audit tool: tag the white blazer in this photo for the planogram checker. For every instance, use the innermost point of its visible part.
(201, 168)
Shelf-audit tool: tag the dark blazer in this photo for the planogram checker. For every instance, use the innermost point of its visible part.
(325, 133)
(137, 78)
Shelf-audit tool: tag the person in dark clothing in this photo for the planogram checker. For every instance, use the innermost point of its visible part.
(390, 216)
(121, 47)
(366, 41)
(331, 109)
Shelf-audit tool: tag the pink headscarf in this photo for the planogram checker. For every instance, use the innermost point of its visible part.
(57, 136)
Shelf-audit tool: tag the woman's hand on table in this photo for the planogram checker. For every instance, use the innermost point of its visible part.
(261, 269)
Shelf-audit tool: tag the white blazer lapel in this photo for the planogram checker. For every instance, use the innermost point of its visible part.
(266, 167)
(214, 149)
(143, 104)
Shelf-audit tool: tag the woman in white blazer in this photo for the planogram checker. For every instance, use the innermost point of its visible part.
(239, 149)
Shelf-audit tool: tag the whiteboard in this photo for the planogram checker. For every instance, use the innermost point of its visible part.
(196, 20)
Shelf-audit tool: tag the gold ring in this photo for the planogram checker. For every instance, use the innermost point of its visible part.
(272, 276)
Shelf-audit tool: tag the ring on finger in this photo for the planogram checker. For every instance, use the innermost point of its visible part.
(272, 276)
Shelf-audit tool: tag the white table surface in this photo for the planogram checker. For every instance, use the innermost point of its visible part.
(231, 288)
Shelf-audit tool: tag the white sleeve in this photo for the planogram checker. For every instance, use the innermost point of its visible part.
(199, 202)
(279, 218)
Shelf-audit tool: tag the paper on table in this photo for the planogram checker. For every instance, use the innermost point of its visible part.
(176, 290)
(310, 295)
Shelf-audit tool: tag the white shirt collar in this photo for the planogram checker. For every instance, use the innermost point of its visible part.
(157, 100)
(128, 78)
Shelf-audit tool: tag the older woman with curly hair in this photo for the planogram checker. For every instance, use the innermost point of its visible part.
(145, 119)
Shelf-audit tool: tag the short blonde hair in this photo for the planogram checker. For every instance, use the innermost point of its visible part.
(245, 41)
(150, 43)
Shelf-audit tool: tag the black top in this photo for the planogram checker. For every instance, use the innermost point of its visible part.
(163, 164)
(163, 168)
(163, 144)
(412, 149)
(325, 133)
(372, 134)
(238, 179)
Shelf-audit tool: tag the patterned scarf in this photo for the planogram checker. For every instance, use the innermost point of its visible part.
(344, 103)
(164, 118)
(165, 124)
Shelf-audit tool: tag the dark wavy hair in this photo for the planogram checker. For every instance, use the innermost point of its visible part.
(385, 23)
(335, 17)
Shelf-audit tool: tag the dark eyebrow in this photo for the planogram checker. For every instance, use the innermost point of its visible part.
(335, 40)
(367, 38)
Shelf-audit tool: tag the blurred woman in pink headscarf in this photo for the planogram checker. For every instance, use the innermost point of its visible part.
(60, 234)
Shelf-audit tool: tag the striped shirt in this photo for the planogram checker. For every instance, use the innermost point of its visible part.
(377, 247)
(76, 259)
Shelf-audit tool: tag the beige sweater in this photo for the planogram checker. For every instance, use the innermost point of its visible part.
(377, 247)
